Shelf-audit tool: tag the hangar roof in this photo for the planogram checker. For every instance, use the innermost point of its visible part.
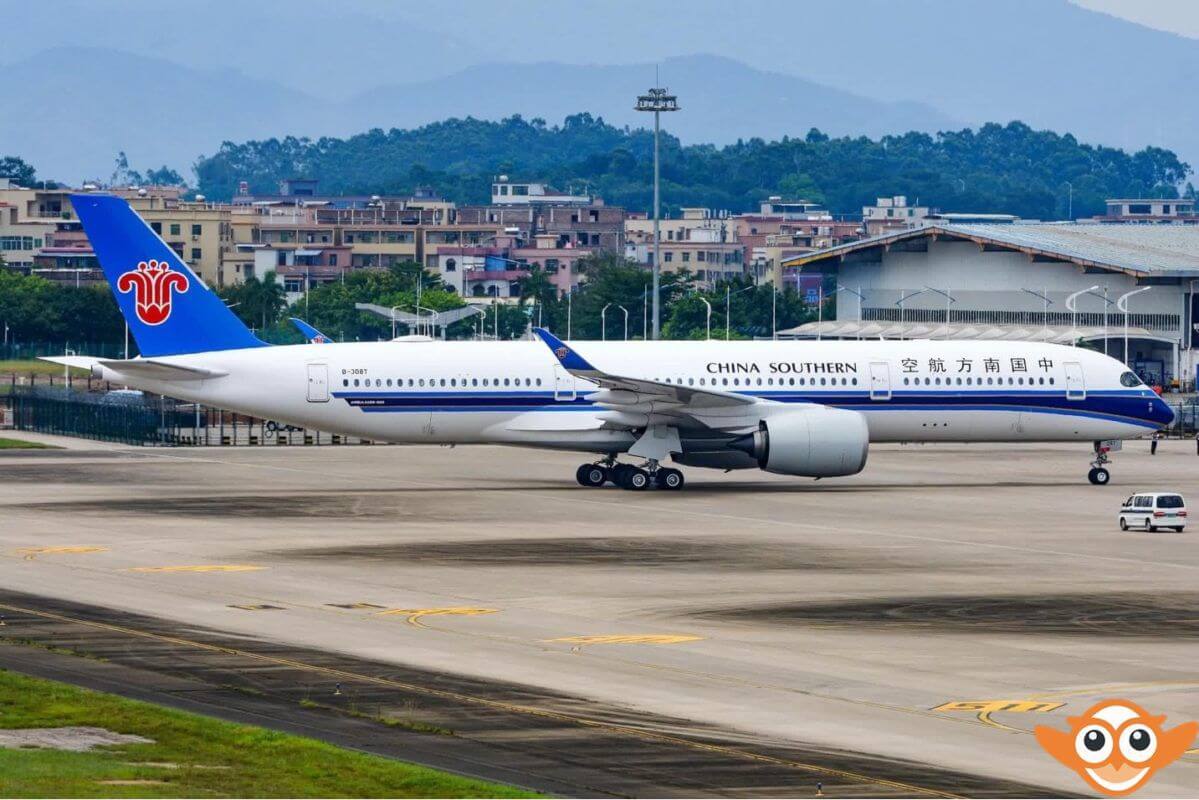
(1141, 250)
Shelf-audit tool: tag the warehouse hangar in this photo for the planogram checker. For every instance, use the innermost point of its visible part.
(1093, 283)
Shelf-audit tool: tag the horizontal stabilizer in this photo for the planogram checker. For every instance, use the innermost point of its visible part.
(147, 368)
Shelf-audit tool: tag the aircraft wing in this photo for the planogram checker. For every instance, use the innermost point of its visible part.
(636, 402)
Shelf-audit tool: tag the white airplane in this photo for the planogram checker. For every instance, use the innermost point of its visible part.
(795, 408)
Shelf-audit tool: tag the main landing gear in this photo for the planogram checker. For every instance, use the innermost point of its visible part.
(627, 476)
(1099, 474)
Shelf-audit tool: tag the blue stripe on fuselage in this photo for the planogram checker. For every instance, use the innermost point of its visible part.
(1114, 405)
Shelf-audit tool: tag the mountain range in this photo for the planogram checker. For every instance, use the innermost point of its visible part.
(168, 82)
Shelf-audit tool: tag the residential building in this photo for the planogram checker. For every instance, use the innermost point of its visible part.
(506, 192)
(200, 233)
(1179, 212)
(892, 213)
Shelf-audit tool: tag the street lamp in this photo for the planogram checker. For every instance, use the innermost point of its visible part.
(948, 299)
(626, 321)
(903, 299)
(1122, 304)
(856, 293)
(393, 321)
(728, 306)
(604, 323)
(657, 100)
(704, 300)
(1072, 306)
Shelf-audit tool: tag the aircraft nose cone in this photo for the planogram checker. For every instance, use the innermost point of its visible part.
(1167, 413)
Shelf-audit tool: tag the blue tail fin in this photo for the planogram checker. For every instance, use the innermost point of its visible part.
(169, 309)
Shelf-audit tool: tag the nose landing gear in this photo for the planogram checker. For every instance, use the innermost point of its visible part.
(1099, 475)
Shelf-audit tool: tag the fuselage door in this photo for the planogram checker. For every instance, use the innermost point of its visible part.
(318, 383)
(564, 385)
(1076, 386)
(880, 380)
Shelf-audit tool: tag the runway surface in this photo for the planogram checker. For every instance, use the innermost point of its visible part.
(895, 633)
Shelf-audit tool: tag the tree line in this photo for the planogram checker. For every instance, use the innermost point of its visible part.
(43, 311)
(997, 168)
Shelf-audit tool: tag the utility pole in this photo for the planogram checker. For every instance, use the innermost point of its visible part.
(657, 100)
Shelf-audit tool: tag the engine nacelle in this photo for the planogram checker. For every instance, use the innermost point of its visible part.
(817, 442)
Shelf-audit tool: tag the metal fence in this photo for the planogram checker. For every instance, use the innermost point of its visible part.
(143, 419)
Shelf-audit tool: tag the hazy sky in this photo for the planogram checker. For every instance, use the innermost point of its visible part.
(1176, 16)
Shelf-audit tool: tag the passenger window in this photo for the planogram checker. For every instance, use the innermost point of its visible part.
(539, 381)
(355, 381)
(505, 381)
(906, 381)
(691, 381)
(474, 381)
(345, 381)
(422, 381)
(389, 382)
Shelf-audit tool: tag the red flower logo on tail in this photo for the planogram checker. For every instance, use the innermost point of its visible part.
(151, 284)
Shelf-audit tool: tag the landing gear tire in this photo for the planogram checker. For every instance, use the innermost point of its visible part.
(1099, 476)
(591, 475)
(1123, 524)
(668, 478)
(634, 479)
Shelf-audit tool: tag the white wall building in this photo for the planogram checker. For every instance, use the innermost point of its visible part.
(1014, 280)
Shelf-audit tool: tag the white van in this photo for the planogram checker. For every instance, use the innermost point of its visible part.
(1154, 510)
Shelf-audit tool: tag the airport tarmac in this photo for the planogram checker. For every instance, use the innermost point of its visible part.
(899, 632)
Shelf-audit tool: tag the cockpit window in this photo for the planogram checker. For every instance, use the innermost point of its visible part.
(1130, 379)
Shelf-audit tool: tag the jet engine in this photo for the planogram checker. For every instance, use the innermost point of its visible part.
(817, 442)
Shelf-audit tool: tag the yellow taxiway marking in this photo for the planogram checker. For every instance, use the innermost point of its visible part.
(200, 568)
(634, 638)
(31, 553)
(414, 615)
(644, 734)
(983, 709)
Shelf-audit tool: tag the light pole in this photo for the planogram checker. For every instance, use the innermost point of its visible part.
(903, 299)
(570, 295)
(728, 309)
(1072, 307)
(704, 300)
(774, 311)
(855, 292)
(657, 100)
(1122, 304)
(1044, 295)
(393, 321)
(604, 323)
(1070, 203)
(645, 315)
(948, 299)
(626, 321)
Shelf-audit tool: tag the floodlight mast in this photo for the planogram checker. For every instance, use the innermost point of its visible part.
(657, 100)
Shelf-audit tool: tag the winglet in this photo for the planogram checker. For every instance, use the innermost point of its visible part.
(570, 360)
(310, 333)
